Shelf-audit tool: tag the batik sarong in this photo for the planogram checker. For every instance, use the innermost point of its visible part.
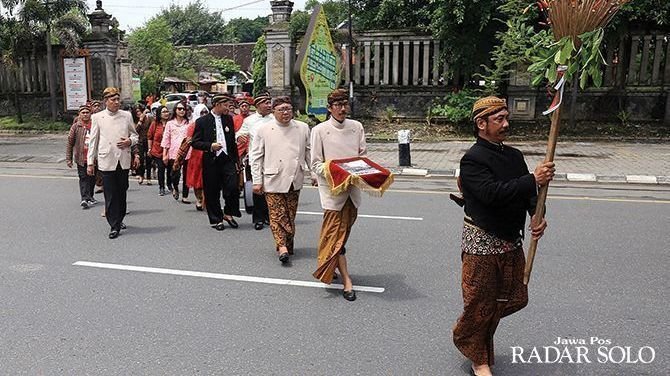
(283, 208)
(492, 288)
(335, 231)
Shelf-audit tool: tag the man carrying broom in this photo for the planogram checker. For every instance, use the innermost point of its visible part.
(498, 191)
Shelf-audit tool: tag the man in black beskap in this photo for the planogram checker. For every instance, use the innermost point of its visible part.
(499, 192)
(215, 135)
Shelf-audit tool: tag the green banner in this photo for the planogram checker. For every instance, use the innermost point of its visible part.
(319, 64)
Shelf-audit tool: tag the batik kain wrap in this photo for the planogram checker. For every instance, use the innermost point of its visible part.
(360, 172)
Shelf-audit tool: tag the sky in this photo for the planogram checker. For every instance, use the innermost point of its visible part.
(134, 13)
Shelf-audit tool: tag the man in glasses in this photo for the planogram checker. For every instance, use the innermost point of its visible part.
(215, 136)
(279, 159)
(336, 138)
(112, 136)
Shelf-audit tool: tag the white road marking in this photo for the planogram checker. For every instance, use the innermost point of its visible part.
(370, 216)
(228, 277)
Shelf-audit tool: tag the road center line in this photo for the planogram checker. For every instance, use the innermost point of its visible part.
(228, 277)
(370, 216)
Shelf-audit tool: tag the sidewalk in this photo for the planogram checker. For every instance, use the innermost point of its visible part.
(575, 161)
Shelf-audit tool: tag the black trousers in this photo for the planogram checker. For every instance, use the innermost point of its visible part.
(86, 184)
(160, 168)
(176, 175)
(220, 179)
(115, 186)
(144, 168)
(260, 212)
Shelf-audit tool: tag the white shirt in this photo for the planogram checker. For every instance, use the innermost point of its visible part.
(220, 136)
(251, 124)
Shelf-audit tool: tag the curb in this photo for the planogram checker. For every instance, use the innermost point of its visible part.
(570, 177)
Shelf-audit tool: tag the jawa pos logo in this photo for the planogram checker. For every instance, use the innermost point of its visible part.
(583, 351)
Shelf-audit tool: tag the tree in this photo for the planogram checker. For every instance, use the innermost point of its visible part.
(393, 14)
(226, 68)
(16, 41)
(62, 18)
(151, 51)
(193, 24)
(244, 30)
(260, 57)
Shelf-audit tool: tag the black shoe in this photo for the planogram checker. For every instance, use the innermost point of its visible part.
(219, 226)
(113, 234)
(231, 222)
(258, 226)
(161, 192)
(283, 258)
(84, 204)
(123, 226)
(349, 295)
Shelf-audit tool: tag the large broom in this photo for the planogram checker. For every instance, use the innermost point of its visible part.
(571, 21)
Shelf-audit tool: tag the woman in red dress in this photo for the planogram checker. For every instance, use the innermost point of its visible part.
(194, 170)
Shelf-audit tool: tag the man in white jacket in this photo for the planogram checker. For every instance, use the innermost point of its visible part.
(336, 138)
(112, 136)
(279, 158)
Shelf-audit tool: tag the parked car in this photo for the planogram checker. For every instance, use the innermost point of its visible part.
(171, 100)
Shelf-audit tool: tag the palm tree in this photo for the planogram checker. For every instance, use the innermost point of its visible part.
(16, 41)
(64, 19)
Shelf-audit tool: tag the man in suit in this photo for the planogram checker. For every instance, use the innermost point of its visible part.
(215, 135)
(112, 136)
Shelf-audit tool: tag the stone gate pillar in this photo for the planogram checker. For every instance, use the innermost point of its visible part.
(281, 50)
(109, 61)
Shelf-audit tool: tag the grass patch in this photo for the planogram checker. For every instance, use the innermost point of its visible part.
(32, 123)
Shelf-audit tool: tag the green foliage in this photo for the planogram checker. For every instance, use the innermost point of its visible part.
(297, 26)
(260, 56)
(151, 51)
(193, 24)
(32, 123)
(244, 30)
(651, 12)
(455, 107)
(515, 45)
(388, 114)
(226, 67)
(394, 14)
(336, 11)
(585, 60)
(467, 30)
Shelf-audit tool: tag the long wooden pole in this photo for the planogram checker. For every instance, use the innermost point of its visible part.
(542, 194)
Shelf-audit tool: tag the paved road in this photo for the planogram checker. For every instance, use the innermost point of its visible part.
(601, 272)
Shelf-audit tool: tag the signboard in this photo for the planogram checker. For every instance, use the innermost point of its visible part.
(319, 64)
(137, 89)
(75, 83)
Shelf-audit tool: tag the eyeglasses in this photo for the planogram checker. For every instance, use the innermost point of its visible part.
(285, 109)
(181, 109)
(340, 104)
